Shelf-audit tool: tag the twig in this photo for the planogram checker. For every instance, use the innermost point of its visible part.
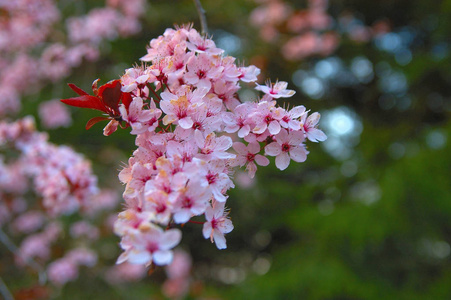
(28, 260)
(4, 291)
(203, 19)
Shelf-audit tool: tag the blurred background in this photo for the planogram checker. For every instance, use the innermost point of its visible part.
(367, 216)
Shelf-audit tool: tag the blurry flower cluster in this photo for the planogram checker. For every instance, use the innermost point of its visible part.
(311, 31)
(62, 183)
(34, 49)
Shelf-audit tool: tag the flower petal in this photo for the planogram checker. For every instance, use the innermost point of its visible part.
(162, 257)
(273, 149)
(298, 154)
(282, 161)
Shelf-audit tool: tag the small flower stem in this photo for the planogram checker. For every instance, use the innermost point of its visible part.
(153, 91)
(203, 19)
(167, 86)
(29, 261)
(196, 222)
(4, 291)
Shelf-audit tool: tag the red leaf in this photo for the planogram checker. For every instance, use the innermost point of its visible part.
(94, 86)
(86, 101)
(77, 89)
(126, 99)
(111, 94)
(95, 120)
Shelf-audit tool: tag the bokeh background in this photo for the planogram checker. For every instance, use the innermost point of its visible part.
(367, 216)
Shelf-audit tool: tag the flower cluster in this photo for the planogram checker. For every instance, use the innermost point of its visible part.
(183, 108)
(33, 47)
(63, 183)
(62, 177)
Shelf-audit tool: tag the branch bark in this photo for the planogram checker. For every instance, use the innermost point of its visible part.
(203, 19)
(4, 291)
(29, 261)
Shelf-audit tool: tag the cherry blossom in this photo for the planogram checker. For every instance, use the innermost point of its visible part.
(276, 90)
(153, 246)
(309, 126)
(217, 224)
(286, 146)
(248, 155)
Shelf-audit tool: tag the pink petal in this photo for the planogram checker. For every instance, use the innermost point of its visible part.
(298, 154)
(296, 138)
(244, 131)
(219, 240)
(226, 226)
(274, 127)
(313, 119)
(316, 135)
(273, 149)
(170, 239)
(253, 147)
(240, 148)
(139, 257)
(261, 160)
(282, 161)
(186, 122)
(206, 230)
(223, 143)
(282, 137)
(162, 257)
(297, 111)
(251, 168)
(182, 216)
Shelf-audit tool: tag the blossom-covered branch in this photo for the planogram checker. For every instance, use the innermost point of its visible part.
(183, 108)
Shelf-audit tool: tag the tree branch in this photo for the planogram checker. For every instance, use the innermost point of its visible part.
(4, 291)
(203, 19)
(28, 260)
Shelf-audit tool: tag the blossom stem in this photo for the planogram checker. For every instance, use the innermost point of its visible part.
(167, 86)
(4, 291)
(203, 19)
(28, 260)
(196, 222)
(153, 91)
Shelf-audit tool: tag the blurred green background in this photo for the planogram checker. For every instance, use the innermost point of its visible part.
(367, 216)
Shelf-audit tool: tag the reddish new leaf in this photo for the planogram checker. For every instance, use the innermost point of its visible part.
(86, 101)
(111, 94)
(77, 89)
(95, 120)
(126, 99)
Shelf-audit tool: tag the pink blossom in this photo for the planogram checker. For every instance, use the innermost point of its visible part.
(125, 272)
(239, 120)
(249, 74)
(247, 155)
(286, 146)
(82, 256)
(309, 126)
(290, 119)
(29, 222)
(153, 245)
(84, 229)
(213, 175)
(62, 271)
(266, 117)
(136, 116)
(276, 90)
(192, 201)
(217, 224)
(54, 114)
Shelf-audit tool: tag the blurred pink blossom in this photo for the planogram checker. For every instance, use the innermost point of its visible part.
(54, 114)
(125, 272)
